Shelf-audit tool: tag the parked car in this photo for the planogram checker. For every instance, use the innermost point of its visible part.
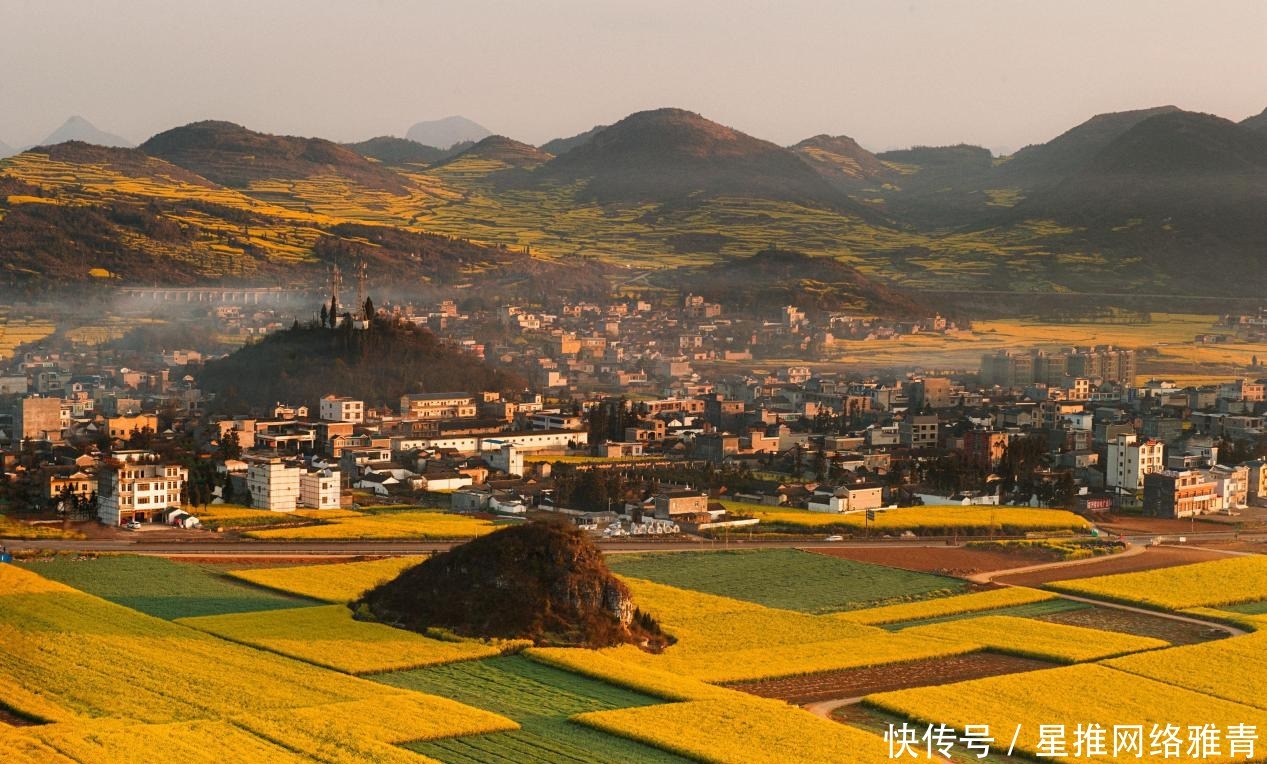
(133, 526)
(834, 538)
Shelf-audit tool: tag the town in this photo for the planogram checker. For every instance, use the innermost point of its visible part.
(636, 418)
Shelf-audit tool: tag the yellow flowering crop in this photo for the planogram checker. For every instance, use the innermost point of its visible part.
(328, 636)
(1038, 639)
(335, 582)
(726, 640)
(741, 731)
(1070, 695)
(1251, 621)
(369, 730)
(614, 670)
(91, 658)
(389, 525)
(963, 603)
(920, 518)
(1227, 668)
(1210, 584)
(125, 742)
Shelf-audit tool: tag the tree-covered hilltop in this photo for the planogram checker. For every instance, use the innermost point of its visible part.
(376, 365)
(543, 581)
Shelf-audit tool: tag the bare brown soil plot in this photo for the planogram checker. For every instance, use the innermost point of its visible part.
(1163, 526)
(951, 560)
(854, 683)
(1153, 557)
(1140, 624)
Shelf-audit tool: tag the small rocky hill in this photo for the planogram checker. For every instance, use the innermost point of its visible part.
(541, 581)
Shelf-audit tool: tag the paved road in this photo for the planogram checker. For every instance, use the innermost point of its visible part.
(347, 548)
(141, 545)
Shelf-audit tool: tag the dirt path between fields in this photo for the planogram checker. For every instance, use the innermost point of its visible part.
(988, 576)
(1130, 551)
(824, 708)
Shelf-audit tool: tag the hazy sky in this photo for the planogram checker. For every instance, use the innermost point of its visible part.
(1001, 73)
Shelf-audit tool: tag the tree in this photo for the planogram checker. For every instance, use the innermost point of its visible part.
(369, 309)
(230, 446)
(334, 311)
(227, 492)
(325, 314)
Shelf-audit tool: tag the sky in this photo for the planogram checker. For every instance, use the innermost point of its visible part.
(997, 73)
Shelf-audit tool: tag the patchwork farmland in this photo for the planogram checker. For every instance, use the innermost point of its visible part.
(750, 648)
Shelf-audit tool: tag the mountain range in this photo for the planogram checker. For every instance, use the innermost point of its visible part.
(1126, 201)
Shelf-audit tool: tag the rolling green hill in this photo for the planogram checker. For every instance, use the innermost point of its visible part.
(398, 152)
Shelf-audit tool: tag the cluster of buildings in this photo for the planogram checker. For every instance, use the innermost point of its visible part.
(620, 383)
(636, 347)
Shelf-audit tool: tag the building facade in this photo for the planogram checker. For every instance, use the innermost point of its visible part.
(438, 406)
(131, 490)
(273, 483)
(1129, 460)
(1177, 494)
(335, 408)
(321, 489)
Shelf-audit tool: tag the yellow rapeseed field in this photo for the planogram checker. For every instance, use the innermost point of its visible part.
(741, 730)
(328, 636)
(1038, 639)
(725, 640)
(369, 730)
(10, 528)
(1251, 621)
(1203, 584)
(1228, 668)
(649, 681)
(126, 742)
(1070, 695)
(336, 582)
(108, 677)
(949, 518)
(963, 603)
(390, 525)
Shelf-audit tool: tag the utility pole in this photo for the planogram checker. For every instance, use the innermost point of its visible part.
(336, 283)
(361, 273)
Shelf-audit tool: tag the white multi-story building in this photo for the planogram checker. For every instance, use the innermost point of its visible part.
(320, 489)
(273, 483)
(335, 408)
(129, 490)
(1129, 460)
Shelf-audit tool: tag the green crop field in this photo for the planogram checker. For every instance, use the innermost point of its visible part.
(786, 578)
(160, 587)
(541, 699)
